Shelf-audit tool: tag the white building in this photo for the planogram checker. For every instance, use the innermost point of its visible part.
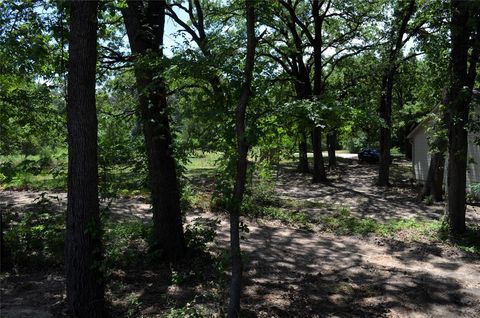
(421, 155)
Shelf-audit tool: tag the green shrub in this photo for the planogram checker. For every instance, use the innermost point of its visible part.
(187, 311)
(7, 170)
(199, 234)
(37, 238)
(45, 160)
(126, 243)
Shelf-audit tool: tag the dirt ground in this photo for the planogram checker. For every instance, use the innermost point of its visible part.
(291, 272)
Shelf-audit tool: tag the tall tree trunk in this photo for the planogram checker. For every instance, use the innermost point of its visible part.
(385, 131)
(434, 184)
(303, 152)
(319, 174)
(403, 13)
(332, 144)
(463, 74)
(241, 164)
(144, 22)
(83, 248)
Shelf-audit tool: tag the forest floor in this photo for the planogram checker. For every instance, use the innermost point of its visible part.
(290, 270)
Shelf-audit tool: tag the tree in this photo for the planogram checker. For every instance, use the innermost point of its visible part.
(432, 90)
(83, 248)
(286, 47)
(333, 37)
(144, 22)
(241, 163)
(464, 55)
(396, 41)
(433, 186)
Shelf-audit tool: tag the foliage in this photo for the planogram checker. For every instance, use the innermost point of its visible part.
(36, 236)
(126, 243)
(199, 234)
(190, 310)
(342, 222)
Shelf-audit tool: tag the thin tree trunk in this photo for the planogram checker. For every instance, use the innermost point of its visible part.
(404, 12)
(303, 152)
(434, 184)
(5, 257)
(241, 165)
(385, 130)
(463, 73)
(332, 144)
(319, 174)
(145, 26)
(83, 248)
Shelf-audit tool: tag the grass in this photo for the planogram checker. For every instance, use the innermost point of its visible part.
(26, 180)
(290, 217)
(119, 180)
(203, 161)
(342, 222)
(303, 204)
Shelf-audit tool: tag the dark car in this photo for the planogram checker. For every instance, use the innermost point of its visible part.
(369, 155)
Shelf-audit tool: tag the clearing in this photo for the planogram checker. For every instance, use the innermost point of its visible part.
(294, 270)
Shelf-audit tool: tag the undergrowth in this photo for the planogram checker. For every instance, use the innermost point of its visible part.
(344, 223)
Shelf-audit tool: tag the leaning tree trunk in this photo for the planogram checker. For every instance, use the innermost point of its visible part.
(332, 144)
(241, 165)
(144, 22)
(463, 74)
(83, 248)
(303, 152)
(434, 184)
(385, 131)
(319, 174)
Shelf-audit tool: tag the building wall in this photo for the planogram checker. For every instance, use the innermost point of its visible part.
(473, 168)
(420, 155)
(421, 158)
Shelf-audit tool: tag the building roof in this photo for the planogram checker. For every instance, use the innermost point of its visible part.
(475, 98)
(422, 123)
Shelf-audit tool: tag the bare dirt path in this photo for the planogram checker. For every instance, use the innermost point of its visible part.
(352, 186)
(292, 272)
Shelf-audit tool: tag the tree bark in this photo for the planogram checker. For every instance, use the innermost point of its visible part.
(241, 164)
(385, 110)
(332, 144)
(5, 257)
(83, 248)
(463, 25)
(303, 152)
(434, 184)
(385, 130)
(144, 22)
(319, 174)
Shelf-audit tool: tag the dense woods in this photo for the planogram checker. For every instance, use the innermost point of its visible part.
(243, 158)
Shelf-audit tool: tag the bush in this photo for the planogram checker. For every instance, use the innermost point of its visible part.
(37, 238)
(473, 194)
(199, 234)
(188, 311)
(46, 159)
(126, 243)
(7, 170)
